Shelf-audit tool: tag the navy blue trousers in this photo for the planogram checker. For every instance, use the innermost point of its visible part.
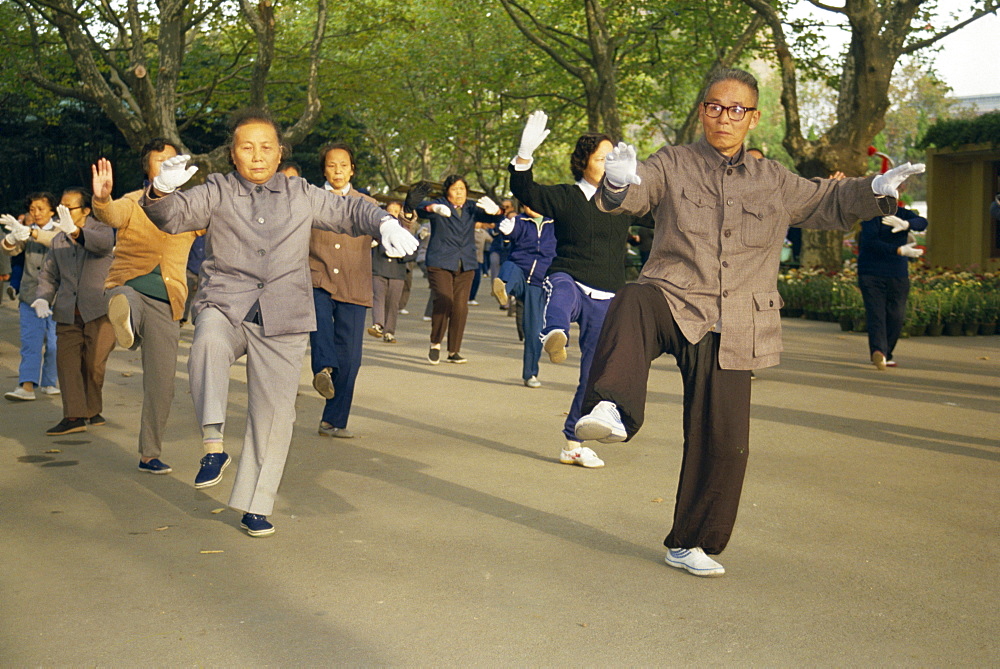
(566, 304)
(336, 343)
(533, 298)
(885, 310)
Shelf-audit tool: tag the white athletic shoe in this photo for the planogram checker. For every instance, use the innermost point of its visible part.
(49, 390)
(533, 382)
(603, 424)
(695, 561)
(579, 455)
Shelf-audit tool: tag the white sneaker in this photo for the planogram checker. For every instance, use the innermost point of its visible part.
(19, 394)
(404, 312)
(579, 455)
(427, 318)
(120, 315)
(603, 424)
(473, 303)
(50, 390)
(554, 343)
(533, 382)
(695, 561)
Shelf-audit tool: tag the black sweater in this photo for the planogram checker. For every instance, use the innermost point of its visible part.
(590, 244)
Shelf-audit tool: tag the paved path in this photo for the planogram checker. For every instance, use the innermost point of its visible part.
(447, 533)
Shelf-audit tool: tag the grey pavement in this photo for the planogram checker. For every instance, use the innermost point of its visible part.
(447, 533)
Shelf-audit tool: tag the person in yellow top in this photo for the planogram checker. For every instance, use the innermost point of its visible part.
(146, 289)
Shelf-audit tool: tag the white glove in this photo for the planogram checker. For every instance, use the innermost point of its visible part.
(886, 184)
(18, 233)
(440, 209)
(396, 240)
(534, 134)
(620, 165)
(506, 226)
(488, 205)
(910, 251)
(65, 220)
(898, 224)
(41, 308)
(174, 173)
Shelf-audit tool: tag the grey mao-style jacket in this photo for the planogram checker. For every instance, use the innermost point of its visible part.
(73, 274)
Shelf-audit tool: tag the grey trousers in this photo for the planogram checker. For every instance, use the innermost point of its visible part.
(273, 367)
(157, 333)
(385, 302)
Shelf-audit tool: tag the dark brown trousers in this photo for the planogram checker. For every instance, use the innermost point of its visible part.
(639, 328)
(450, 292)
(81, 357)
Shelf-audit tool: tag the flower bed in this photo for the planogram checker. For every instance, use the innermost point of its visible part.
(941, 301)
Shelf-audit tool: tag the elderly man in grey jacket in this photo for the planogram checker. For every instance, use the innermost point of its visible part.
(71, 287)
(255, 298)
(708, 296)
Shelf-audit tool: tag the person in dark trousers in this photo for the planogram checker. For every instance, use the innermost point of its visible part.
(708, 296)
(884, 253)
(589, 266)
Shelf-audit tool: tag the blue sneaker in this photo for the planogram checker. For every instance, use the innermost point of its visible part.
(212, 466)
(256, 525)
(154, 466)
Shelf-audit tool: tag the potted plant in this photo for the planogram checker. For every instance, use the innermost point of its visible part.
(991, 310)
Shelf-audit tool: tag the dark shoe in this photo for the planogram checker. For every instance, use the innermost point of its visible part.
(456, 358)
(96, 419)
(67, 426)
(434, 356)
(327, 430)
(256, 525)
(154, 466)
(323, 383)
(212, 466)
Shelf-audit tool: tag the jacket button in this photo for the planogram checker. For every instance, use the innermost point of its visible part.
(261, 252)
(725, 264)
(727, 233)
(260, 285)
(260, 220)
(336, 246)
(336, 271)
(729, 171)
(770, 303)
(725, 293)
(259, 189)
(729, 202)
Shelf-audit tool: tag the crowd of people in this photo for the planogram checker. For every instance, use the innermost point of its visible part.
(280, 265)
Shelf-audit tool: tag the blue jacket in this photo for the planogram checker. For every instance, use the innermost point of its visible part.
(877, 245)
(453, 238)
(533, 247)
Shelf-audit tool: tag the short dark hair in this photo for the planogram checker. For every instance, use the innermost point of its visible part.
(290, 164)
(41, 195)
(252, 115)
(327, 148)
(155, 144)
(451, 180)
(734, 74)
(585, 147)
(82, 192)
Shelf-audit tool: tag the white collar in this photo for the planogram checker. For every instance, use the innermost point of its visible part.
(48, 226)
(347, 188)
(588, 188)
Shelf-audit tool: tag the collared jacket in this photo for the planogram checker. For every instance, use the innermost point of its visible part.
(140, 247)
(453, 238)
(257, 242)
(719, 229)
(74, 271)
(878, 245)
(34, 251)
(533, 246)
(341, 264)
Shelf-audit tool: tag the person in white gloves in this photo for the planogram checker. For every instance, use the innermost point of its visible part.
(589, 264)
(884, 252)
(451, 260)
(38, 334)
(708, 296)
(71, 285)
(255, 298)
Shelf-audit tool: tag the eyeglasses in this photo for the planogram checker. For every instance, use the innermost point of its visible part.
(74, 208)
(736, 112)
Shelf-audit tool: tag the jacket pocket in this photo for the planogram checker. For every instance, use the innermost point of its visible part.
(695, 213)
(758, 225)
(767, 323)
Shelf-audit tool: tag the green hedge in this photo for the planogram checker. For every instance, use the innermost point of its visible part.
(984, 129)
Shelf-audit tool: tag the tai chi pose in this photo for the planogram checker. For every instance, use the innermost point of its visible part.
(590, 258)
(533, 246)
(147, 290)
(71, 288)
(255, 298)
(708, 296)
